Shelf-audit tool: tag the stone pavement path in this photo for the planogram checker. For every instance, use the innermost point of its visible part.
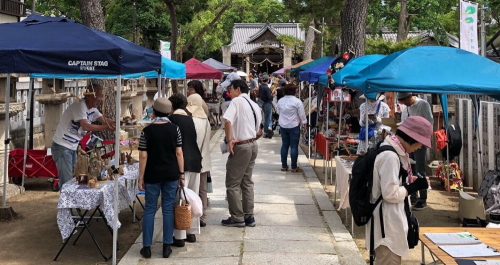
(296, 222)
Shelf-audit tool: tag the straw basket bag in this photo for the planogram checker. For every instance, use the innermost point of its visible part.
(182, 212)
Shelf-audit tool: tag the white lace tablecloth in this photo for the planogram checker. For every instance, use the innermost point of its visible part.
(342, 174)
(73, 196)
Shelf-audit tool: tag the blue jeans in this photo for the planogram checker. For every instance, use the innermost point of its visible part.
(419, 157)
(167, 189)
(289, 139)
(65, 162)
(268, 111)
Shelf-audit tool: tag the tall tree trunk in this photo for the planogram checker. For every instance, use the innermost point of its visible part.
(93, 17)
(309, 42)
(353, 20)
(318, 41)
(173, 37)
(402, 22)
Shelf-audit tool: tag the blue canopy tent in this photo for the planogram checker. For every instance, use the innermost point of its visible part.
(430, 69)
(300, 68)
(169, 69)
(312, 74)
(58, 45)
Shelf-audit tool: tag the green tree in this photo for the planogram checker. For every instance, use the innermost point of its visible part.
(378, 45)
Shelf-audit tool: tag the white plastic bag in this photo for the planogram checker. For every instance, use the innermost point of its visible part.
(195, 202)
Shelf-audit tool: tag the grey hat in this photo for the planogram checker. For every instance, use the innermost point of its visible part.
(230, 77)
(282, 82)
(402, 95)
(265, 77)
(162, 105)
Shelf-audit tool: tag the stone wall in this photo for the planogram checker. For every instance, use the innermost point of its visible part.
(18, 136)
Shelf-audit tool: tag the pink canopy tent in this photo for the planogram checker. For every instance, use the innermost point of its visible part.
(282, 70)
(198, 70)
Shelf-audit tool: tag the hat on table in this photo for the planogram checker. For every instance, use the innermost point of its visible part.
(162, 105)
(417, 128)
(195, 106)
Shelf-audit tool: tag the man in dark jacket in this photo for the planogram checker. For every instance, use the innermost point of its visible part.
(267, 98)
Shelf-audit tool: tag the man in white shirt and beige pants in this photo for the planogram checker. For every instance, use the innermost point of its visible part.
(242, 127)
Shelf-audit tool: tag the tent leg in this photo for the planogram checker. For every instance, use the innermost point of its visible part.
(7, 140)
(26, 129)
(159, 85)
(309, 125)
(164, 87)
(366, 125)
(340, 121)
(117, 164)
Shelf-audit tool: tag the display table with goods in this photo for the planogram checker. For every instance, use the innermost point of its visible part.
(98, 196)
(461, 245)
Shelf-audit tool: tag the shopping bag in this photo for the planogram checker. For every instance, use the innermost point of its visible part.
(182, 212)
(195, 203)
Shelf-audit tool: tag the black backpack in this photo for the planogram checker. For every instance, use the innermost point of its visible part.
(360, 191)
(454, 140)
(360, 188)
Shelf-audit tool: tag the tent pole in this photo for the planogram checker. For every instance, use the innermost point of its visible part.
(117, 164)
(159, 84)
(340, 120)
(366, 125)
(26, 129)
(309, 125)
(164, 86)
(7, 140)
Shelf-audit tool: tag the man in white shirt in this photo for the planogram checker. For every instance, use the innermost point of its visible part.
(75, 122)
(242, 127)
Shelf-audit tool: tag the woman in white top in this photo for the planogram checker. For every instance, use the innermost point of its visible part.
(377, 109)
(291, 116)
(410, 136)
(202, 126)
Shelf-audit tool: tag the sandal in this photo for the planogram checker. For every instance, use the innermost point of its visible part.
(298, 169)
(284, 169)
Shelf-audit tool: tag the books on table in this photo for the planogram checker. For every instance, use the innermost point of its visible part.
(462, 238)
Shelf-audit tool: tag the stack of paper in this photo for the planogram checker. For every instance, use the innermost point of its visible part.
(464, 251)
(461, 238)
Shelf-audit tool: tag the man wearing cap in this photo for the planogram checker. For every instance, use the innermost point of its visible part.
(75, 122)
(414, 106)
(242, 129)
(376, 109)
(414, 133)
(266, 97)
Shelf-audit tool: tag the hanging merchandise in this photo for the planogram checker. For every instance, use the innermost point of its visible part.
(440, 135)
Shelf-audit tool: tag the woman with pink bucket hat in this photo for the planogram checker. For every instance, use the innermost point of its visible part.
(390, 234)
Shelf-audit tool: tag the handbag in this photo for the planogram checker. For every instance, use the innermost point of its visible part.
(182, 212)
(371, 128)
(440, 136)
(209, 183)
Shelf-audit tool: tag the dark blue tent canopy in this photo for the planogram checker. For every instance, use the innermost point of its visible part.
(312, 74)
(58, 45)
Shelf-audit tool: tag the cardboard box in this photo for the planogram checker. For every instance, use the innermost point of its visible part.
(470, 207)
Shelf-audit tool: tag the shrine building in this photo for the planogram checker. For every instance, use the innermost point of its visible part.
(254, 46)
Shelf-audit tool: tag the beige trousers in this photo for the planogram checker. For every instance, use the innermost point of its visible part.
(192, 182)
(384, 256)
(239, 184)
(203, 195)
